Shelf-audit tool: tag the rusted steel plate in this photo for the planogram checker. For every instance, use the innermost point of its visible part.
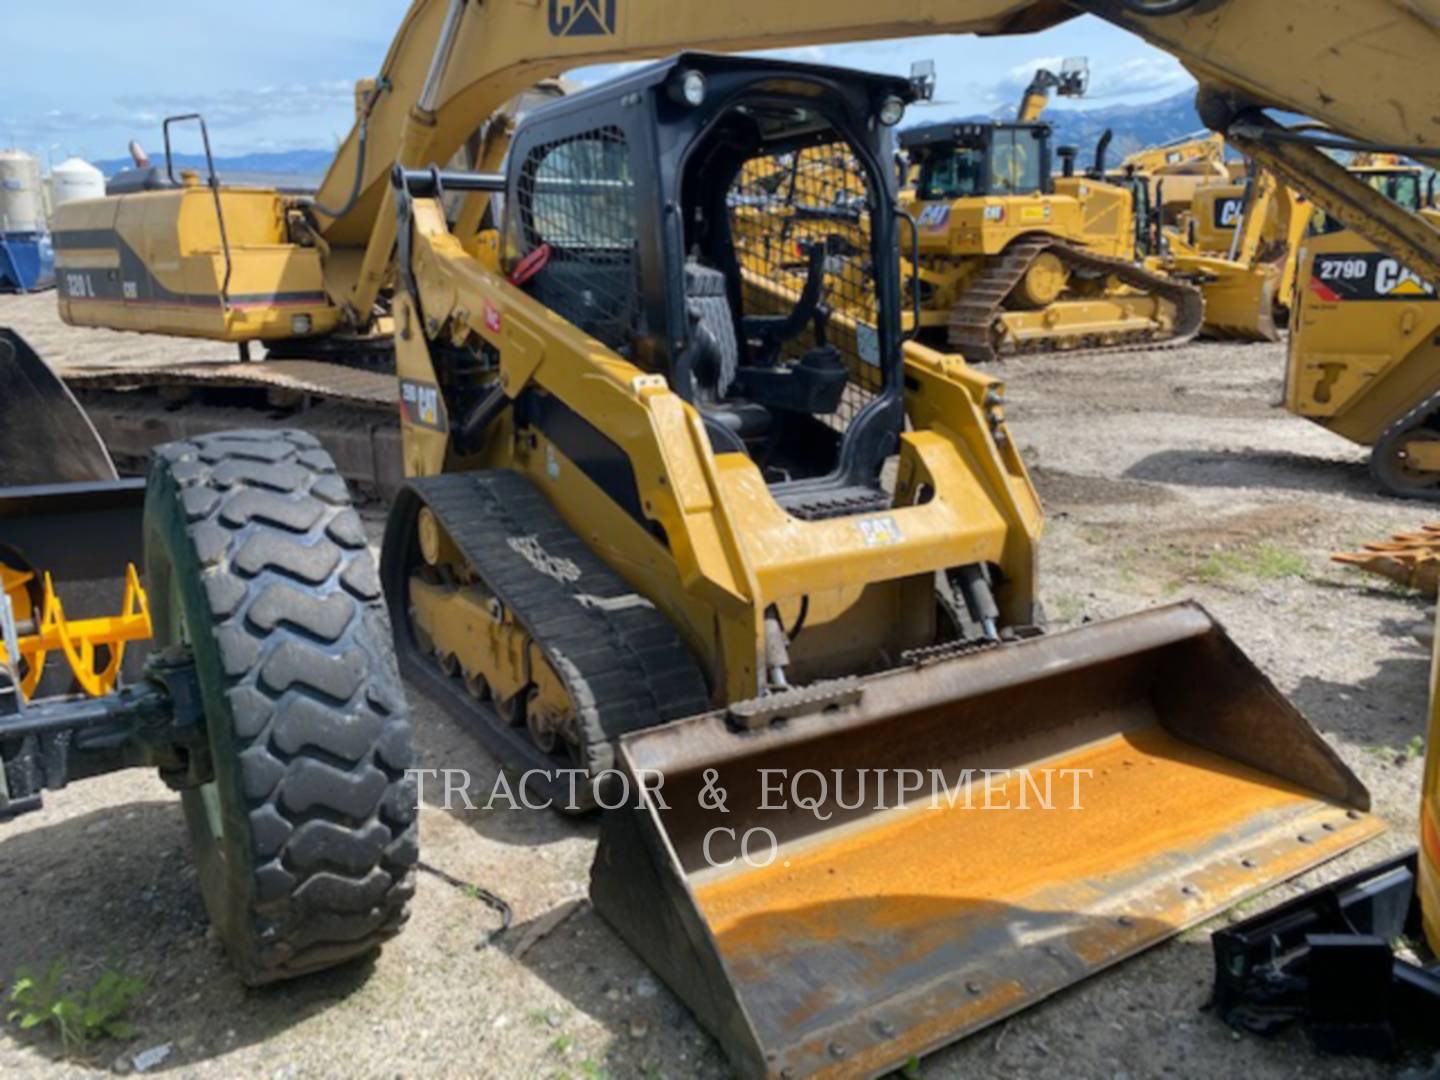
(883, 926)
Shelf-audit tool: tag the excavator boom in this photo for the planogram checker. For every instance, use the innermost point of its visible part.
(455, 62)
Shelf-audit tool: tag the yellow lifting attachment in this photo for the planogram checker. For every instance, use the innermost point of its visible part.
(94, 649)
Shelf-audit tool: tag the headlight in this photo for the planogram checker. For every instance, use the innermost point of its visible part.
(689, 89)
(892, 111)
(300, 325)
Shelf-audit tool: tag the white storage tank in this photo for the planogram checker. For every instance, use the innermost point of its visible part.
(22, 200)
(75, 179)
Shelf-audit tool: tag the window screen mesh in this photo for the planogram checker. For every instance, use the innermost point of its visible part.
(780, 208)
(578, 196)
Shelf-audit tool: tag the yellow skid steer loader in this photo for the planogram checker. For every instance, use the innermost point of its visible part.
(734, 549)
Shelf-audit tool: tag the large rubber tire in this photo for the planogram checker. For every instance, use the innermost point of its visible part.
(306, 837)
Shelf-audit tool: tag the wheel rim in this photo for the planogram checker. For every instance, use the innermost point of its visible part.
(209, 792)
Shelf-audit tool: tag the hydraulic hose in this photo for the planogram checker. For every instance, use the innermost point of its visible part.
(380, 86)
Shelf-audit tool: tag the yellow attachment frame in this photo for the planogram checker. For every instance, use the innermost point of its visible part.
(79, 640)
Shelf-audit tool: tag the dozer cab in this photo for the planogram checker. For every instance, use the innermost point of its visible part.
(724, 545)
(1011, 260)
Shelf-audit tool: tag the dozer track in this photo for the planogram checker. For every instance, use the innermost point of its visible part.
(972, 321)
(621, 661)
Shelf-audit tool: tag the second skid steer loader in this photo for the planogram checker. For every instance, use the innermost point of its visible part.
(725, 543)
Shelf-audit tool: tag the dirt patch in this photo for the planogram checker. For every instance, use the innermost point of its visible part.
(1059, 488)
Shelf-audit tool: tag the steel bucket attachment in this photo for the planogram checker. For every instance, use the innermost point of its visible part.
(63, 514)
(45, 436)
(880, 934)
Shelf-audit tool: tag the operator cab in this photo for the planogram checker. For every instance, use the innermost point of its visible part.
(1403, 185)
(963, 161)
(729, 223)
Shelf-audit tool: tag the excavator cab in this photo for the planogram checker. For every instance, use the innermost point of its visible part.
(741, 305)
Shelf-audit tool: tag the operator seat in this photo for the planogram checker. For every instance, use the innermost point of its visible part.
(731, 421)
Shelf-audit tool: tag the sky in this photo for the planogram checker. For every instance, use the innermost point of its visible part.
(86, 76)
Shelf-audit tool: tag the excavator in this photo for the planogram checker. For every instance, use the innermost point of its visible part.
(1174, 171)
(1072, 81)
(717, 545)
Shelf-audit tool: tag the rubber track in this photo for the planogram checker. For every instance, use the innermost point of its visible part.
(1415, 419)
(624, 664)
(320, 723)
(972, 321)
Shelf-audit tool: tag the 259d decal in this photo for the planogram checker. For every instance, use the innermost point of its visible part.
(1366, 276)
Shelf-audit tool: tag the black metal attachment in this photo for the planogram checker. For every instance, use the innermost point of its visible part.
(158, 721)
(1327, 961)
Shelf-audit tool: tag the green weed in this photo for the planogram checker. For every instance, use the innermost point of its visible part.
(78, 1015)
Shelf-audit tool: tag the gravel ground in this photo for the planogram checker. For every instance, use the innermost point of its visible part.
(1166, 475)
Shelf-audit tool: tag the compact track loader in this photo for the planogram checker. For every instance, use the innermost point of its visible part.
(1011, 260)
(675, 522)
(1362, 356)
(250, 662)
(718, 539)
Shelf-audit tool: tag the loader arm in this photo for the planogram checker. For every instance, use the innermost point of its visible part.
(1363, 69)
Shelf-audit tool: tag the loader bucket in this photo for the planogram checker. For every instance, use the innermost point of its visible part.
(875, 928)
(45, 436)
(1240, 304)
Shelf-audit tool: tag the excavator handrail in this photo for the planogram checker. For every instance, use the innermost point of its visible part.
(214, 184)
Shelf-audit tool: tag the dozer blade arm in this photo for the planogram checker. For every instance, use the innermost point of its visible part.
(45, 436)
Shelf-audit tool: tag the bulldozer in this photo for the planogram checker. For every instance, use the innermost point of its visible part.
(250, 664)
(688, 531)
(1011, 260)
(1239, 244)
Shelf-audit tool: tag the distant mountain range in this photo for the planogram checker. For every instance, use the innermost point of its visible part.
(1135, 126)
(298, 168)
